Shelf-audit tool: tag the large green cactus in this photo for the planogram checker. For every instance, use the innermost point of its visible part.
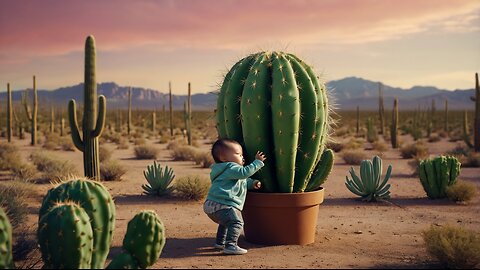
(65, 237)
(273, 102)
(9, 113)
(394, 126)
(437, 174)
(6, 259)
(32, 116)
(92, 123)
(98, 204)
(143, 242)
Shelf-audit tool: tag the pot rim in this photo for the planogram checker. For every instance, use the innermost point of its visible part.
(279, 200)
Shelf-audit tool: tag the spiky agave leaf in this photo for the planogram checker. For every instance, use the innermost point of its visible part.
(159, 180)
(368, 185)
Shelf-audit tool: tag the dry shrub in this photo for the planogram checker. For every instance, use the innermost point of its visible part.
(453, 246)
(24, 172)
(13, 197)
(52, 169)
(66, 144)
(122, 143)
(380, 146)
(354, 157)
(434, 138)
(355, 143)
(104, 153)
(461, 191)
(183, 153)
(140, 141)
(192, 187)
(111, 171)
(417, 149)
(335, 146)
(466, 156)
(9, 157)
(146, 152)
(172, 145)
(204, 159)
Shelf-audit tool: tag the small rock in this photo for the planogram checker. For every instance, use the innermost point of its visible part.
(358, 232)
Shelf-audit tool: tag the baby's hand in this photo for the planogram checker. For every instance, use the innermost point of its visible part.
(260, 156)
(257, 184)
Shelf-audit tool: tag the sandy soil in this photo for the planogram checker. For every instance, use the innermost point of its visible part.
(350, 233)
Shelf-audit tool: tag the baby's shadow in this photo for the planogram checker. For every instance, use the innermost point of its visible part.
(193, 247)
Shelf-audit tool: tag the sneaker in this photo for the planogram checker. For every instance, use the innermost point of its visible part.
(219, 246)
(234, 250)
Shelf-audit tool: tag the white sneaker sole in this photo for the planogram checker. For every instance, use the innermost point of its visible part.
(234, 252)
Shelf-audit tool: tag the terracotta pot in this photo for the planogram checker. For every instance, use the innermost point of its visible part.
(281, 218)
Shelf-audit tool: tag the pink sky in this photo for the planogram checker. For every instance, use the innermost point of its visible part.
(147, 43)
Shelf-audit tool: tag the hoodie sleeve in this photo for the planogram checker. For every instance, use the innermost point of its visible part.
(239, 172)
(250, 182)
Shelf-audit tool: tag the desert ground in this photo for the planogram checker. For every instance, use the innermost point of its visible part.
(350, 233)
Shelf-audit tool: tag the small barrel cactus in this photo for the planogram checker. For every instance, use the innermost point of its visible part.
(437, 174)
(99, 206)
(65, 237)
(273, 102)
(124, 260)
(6, 259)
(368, 185)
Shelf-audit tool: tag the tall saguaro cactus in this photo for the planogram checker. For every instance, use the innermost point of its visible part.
(32, 116)
(476, 142)
(9, 113)
(189, 115)
(171, 108)
(394, 127)
(52, 119)
(381, 109)
(129, 123)
(93, 123)
(445, 123)
(358, 121)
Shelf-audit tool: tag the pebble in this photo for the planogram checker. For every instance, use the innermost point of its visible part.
(358, 232)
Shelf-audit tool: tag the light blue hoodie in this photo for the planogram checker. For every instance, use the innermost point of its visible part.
(230, 182)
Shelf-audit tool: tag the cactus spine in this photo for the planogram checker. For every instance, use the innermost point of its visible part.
(93, 124)
(381, 109)
(394, 126)
(476, 143)
(291, 132)
(171, 108)
(32, 116)
(437, 174)
(6, 257)
(66, 237)
(129, 122)
(9, 113)
(97, 203)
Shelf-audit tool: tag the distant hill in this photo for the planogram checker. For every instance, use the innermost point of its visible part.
(347, 93)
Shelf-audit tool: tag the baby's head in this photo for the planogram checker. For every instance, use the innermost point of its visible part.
(226, 150)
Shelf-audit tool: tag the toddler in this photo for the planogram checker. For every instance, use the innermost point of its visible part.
(230, 181)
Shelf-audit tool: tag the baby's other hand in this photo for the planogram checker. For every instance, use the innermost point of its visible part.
(257, 184)
(260, 156)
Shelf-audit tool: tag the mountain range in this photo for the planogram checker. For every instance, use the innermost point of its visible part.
(347, 94)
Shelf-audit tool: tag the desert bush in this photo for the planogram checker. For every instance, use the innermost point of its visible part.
(204, 159)
(9, 157)
(111, 171)
(356, 143)
(434, 138)
(380, 146)
(417, 149)
(13, 197)
(52, 169)
(192, 187)
(183, 153)
(172, 145)
(24, 172)
(466, 156)
(454, 247)
(354, 157)
(123, 144)
(140, 141)
(335, 146)
(461, 191)
(104, 153)
(146, 152)
(66, 144)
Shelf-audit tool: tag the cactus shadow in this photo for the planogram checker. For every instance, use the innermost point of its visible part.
(144, 199)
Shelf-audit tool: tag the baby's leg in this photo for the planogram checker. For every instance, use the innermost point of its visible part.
(221, 235)
(235, 227)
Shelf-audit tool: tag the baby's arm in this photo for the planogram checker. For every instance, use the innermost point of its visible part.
(240, 172)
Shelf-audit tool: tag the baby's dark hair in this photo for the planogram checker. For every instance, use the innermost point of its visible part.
(219, 146)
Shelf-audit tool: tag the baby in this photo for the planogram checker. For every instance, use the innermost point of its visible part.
(230, 181)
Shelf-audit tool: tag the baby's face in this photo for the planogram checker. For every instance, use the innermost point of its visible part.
(234, 153)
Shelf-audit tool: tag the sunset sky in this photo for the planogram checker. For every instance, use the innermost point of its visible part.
(148, 43)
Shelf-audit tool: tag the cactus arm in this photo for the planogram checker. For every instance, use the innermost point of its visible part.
(387, 176)
(123, 260)
(356, 179)
(6, 256)
(25, 105)
(377, 170)
(285, 121)
(354, 189)
(307, 142)
(443, 174)
(102, 109)
(72, 117)
(257, 124)
(322, 170)
(233, 97)
(432, 178)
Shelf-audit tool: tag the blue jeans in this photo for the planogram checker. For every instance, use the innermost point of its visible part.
(230, 225)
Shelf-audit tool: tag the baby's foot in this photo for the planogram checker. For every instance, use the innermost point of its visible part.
(234, 250)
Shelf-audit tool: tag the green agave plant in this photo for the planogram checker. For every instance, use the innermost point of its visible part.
(368, 185)
(158, 179)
